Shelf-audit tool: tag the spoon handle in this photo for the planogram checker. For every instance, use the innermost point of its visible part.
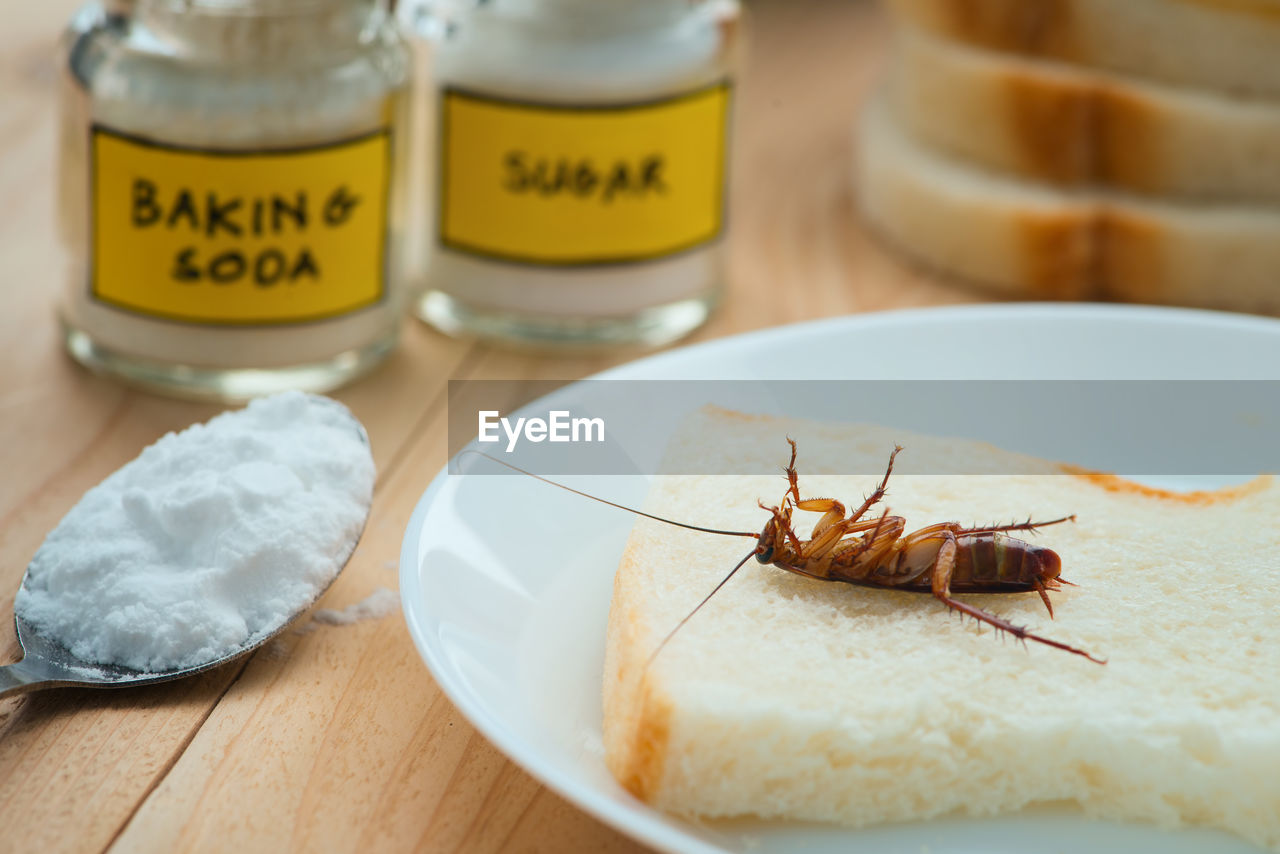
(18, 679)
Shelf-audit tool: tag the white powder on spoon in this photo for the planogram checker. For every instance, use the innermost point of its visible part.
(211, 538)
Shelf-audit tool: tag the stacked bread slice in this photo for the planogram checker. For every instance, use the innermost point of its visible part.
(1083, 149)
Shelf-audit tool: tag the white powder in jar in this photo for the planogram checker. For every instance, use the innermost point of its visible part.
(211, 538)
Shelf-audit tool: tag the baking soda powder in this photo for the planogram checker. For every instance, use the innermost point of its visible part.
(211, 538)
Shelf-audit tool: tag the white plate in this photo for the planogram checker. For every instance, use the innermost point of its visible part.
(506, 581)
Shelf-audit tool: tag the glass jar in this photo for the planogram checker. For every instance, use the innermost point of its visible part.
(581, 168)
(232, 192)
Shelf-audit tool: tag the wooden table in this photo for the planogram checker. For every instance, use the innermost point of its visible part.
(338, 739)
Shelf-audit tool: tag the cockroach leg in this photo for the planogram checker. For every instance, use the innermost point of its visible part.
(942, 569)
(1019, 632)
(832, 514)
(880, 490)
(832, 508)
(1017, 526)
(871, 548)
(822, 544)
(785, 521)
(793, 479)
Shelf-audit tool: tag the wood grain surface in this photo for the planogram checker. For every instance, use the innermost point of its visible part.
(336, 739)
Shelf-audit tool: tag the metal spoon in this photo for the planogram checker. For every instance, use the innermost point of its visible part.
(48, 664)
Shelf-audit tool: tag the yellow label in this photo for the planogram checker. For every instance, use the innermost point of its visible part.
(557, 185)
(232, 237)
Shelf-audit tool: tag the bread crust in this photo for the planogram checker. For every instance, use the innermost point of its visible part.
(1202, 498)
(1057, 253)
(636, 715)
(1025, 239)
(1237, 40)
(1051, 123)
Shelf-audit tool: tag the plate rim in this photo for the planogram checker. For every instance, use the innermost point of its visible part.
(651, 830)
(1076, 310)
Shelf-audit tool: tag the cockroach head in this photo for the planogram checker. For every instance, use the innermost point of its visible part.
(768, 536)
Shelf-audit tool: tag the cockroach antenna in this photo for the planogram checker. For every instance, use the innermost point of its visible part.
(657, 649)
(752, 534)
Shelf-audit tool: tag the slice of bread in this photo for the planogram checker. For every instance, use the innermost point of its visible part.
(1028, 239)
(792, 698)
(1228, 45)
(1051, 122)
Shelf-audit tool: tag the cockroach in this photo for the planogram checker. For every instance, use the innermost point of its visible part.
(876, 551)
